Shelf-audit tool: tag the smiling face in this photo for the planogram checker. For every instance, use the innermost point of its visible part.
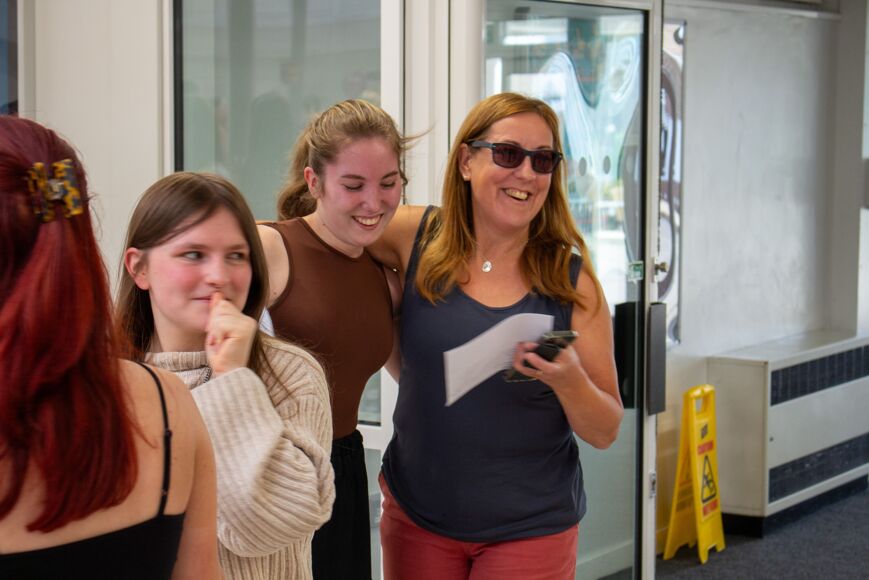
(502, 198)
(356, 196)
(181, 274)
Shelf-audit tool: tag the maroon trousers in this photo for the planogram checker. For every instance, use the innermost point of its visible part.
(412, 553)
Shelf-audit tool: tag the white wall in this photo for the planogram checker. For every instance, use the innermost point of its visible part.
(758, 168)
(96, 78)
(848, 184)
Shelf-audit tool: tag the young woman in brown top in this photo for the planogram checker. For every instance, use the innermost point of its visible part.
(330, 296)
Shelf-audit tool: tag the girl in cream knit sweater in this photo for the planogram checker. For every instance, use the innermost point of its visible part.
(193, 288)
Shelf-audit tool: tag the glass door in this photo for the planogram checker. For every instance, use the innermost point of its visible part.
(247, 77)
(589, 64)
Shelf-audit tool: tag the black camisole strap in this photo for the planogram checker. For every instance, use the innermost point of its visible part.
(167, 443)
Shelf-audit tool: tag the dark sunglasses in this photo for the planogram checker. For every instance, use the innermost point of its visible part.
(511, 156)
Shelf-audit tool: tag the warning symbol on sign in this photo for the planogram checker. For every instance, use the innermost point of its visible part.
(708, 490)
(695, 515)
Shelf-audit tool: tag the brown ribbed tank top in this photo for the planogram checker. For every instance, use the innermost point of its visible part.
(340, 309)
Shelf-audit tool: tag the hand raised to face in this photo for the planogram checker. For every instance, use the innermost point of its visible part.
(229, 336)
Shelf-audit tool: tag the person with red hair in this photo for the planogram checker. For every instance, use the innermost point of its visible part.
(106, 468)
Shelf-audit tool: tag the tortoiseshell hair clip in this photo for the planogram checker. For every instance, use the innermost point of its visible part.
(61, 187)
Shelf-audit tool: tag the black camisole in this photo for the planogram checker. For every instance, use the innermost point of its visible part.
(143, 551)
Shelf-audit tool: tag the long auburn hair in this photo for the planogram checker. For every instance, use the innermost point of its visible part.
(169, 207)
(324, 138)
(448, 239)
(63, 408)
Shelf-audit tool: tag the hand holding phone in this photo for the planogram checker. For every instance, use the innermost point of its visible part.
(548, 347)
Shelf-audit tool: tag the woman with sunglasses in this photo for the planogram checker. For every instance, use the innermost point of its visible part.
(491, 486)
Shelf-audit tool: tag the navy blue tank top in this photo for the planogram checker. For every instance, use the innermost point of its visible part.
(145, 551)
(501, 463)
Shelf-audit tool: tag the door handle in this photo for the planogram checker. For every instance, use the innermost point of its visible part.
(627, 324)
(656, 340)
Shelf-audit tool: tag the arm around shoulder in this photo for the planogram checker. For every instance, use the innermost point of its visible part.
(394, 247)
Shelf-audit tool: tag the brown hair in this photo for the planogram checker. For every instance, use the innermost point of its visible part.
(321, 142)
(449, 236)
(170, 206)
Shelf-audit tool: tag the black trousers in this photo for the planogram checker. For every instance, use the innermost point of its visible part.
(341, 549)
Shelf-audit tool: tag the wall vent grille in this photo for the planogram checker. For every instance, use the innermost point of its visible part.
(822, 465)
(816, 375)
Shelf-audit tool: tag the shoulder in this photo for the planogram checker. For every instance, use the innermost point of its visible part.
(141, 386)
(575, 268)
(587, 287)
(277, 258)
(271, 238)
(394, 246)
(286, 356)
(273, 242)
(139, 380)
(411, 215)
(191, 455)
(595, 309)
(277, 349)
(293, 373)
(583, 279)
(147, 413)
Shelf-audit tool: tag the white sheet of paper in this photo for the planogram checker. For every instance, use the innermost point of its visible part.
(468, 365)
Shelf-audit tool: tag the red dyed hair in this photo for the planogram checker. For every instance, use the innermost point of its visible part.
(63, 410)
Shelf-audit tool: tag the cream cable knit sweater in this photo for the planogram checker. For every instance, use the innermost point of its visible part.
(272, 440)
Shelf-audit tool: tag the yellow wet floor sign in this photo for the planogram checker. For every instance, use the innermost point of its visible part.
(695, 516)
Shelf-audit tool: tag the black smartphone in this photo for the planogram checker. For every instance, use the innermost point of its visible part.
(548, 348)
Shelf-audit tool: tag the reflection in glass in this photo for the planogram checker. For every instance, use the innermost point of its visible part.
(372, 465)
(670, 208)
(252, 74)
(588, 64)
(369, 407)
(8, 57)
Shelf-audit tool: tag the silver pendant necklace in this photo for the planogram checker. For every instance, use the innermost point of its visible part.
(206, 376)
(487, 265)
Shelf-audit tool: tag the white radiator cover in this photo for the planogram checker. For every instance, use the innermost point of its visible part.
(757, 433)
